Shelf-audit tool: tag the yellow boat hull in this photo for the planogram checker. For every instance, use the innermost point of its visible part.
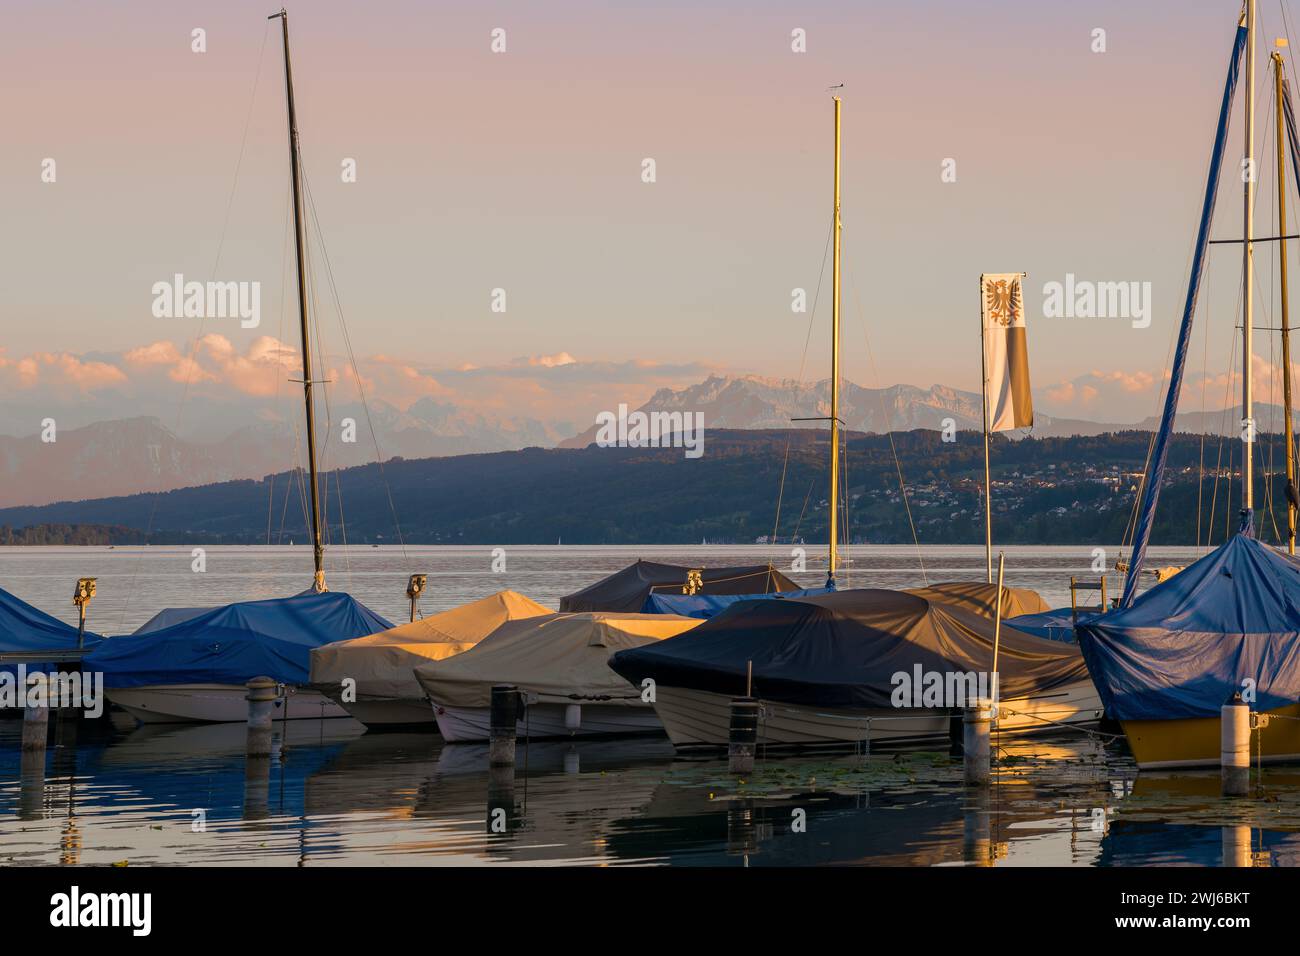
(1196, 741)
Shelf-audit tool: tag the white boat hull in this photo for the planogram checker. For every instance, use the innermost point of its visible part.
(472, 724)
(696, 718)
(214, 704)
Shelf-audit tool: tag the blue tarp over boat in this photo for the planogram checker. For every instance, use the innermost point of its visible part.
(25, 628)
(1187, 644)
(235, 643)
(706, 605)
(1055, 625)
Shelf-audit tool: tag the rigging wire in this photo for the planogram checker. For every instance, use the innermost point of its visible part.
(780, 495)
(356, 370)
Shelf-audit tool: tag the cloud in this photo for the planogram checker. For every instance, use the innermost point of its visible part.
(547, 361)
(59, 372)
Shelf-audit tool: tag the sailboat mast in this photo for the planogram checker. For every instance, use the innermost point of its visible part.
(299, 241)
(835, 367)
(1248, 279)
(1280, 93)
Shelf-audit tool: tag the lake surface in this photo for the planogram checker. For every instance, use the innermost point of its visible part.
(337, 795)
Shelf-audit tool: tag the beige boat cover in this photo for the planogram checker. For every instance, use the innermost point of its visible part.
(559, 658)
(382, 663)
(977, 596)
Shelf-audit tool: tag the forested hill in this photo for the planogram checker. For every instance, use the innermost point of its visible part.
(1077, 490)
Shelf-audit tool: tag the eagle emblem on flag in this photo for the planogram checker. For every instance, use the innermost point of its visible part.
(1003, 300)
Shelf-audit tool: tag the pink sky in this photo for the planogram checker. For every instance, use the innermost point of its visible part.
(521, 171)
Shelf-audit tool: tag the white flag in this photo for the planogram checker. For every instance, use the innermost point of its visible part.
(1006, 352)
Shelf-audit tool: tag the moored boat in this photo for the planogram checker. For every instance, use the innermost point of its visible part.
(196, 670)
(373, 677)
(559, 662)
(626, 591)
(839, 669)
(1228, 626)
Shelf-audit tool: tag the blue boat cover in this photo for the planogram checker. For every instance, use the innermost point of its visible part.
(24, 628)
(1054, 625)
(706, 605)
(235, 643)
(846, 649)
(169, 616)
(1185, 646)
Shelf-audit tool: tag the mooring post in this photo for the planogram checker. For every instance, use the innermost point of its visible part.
(1237, 846)
(36, 714)
(955, 733)
(1234, 747)
(262, 693)
(743, 737)
(504, 725)
(976, 726)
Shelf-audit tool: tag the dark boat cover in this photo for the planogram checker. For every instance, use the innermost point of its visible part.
(628, 589)
(844, 650)
(235, 643)
(708, 605)
(977, 596)
(1187, 644)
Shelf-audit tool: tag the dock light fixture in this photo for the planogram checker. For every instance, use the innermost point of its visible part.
(414, 588)
(81, 598)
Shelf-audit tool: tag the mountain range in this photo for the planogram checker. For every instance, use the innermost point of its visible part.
(128, 456)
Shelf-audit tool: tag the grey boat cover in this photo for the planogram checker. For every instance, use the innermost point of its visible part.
(626, 591)
(844, 650)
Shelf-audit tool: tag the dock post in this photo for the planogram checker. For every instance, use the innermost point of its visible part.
(976, 725)
(504, 725)
(262, 693)
(1234, 747)
(1237, 846)
(742, 740)
(955, 733)
(36, 714)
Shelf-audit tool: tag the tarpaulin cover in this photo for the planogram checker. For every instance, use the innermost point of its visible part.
(842, 650)
(977, 596)
(235, 643)
(25, 628)
(562, 658)
(383, 664)
(705, 606)
(1185, 645)
(169, 616)
(627, 590)
(1055, 625)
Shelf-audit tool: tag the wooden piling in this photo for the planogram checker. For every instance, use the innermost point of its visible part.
(743, 736)
(504, 724)
(261, 697)
(36, 714)
(977, 725)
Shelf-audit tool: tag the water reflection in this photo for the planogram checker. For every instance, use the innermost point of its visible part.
(332, 794)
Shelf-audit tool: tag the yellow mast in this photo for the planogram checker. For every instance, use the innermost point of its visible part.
(1286, 324)
(835, 365)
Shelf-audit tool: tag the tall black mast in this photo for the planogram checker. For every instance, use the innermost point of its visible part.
(299, 240)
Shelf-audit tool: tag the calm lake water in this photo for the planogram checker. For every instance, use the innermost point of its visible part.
(337, 795)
